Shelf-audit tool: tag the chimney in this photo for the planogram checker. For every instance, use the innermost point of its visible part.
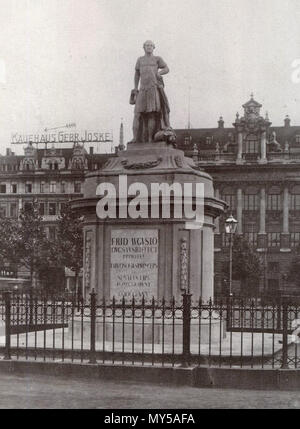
(287, 121)
(221, 122)
(91, 150)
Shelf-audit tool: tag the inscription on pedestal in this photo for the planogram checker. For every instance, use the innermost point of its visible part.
(134, 263)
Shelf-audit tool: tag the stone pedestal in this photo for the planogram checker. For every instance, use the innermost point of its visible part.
(151, 257)
(104, 253)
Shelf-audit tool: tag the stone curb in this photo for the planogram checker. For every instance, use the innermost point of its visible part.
(235, 378)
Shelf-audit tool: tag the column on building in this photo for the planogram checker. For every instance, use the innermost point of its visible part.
(239, 211)
(240, 145)
(263, 147)
(218, 240)
(285, 236)
(262, 236)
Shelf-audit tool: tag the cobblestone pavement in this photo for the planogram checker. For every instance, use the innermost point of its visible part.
(39, 391)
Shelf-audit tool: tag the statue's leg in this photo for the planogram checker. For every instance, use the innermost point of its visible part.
(145, 128)
(151, 126)
(136, 126)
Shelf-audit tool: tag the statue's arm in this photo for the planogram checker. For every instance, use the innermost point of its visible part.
(163, 68)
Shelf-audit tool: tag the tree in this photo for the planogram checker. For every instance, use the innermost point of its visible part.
(293, 274)
(70, 232)
(32, 239)
(24, 243)
(247, 265)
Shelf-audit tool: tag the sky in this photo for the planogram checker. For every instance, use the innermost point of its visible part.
(72, 61)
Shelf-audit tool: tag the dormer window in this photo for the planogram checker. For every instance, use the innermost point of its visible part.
(298, 138)
(251, 144)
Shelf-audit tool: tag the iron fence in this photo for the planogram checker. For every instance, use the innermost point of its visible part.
(225, 332)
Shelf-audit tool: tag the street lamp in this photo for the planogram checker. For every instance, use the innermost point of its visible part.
(230, 228)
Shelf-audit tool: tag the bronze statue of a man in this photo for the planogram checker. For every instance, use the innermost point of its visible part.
(151, 114)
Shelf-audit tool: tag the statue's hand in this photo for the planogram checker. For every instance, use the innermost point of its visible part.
(160, 80)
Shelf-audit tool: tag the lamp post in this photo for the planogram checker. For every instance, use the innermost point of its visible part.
(230, 228)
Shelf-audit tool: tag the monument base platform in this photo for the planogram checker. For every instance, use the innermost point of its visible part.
(161, 331)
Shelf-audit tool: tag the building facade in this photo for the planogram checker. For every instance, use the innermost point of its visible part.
(52, 177)
(256, 170)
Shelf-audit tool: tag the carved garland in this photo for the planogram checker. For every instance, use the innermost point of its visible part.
(141, 165)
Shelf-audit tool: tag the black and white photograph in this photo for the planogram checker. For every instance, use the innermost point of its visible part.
(149, 207)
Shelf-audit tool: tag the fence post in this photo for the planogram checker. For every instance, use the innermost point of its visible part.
(30, 307)
(284, 364)
(229, 312)
(186, 329)
(93, 308)
(7, 300)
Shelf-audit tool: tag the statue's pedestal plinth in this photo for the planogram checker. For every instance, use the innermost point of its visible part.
(155, 257)
(147, 332)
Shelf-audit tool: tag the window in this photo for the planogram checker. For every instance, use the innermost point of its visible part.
(63, 206)
(63, 187)
(77, 187)
(295, 239)
(208, 140)
(295, 201)
(55, 166)
(229, 195)
(14, 188)
(273, 239)
(28, 188)
(27, 206)
(251, 144)
(42, 209)
(52, 232)
(2, 210)
(274, 202)
(251, 237)
(250, 202)
(230, 200)
(42, 187)
(3, 189)
(298, 138)
(53, 187)
(13, 210)
(52, 209)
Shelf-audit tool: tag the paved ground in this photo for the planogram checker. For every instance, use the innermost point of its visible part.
(57, 392)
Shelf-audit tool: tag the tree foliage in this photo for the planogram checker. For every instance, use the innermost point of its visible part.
(71, 238)
(247, 265)
(293, 274)
(24, 243)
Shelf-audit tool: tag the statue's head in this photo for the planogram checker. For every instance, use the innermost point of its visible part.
(149, 46)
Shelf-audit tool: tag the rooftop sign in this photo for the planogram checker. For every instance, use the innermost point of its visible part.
(62, 137)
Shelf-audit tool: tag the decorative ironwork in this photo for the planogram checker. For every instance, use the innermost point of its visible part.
(184, 266)
(248, 332)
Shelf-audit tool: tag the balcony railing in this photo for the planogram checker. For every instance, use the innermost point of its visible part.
(247, 157)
